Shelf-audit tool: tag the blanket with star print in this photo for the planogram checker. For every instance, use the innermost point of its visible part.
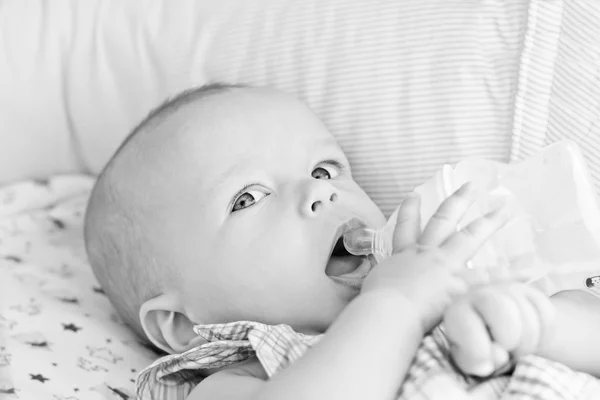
(59, 336)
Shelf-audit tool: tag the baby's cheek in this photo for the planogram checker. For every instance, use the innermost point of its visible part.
(361, 204)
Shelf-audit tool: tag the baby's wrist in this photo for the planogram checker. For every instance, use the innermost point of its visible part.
(398, 305)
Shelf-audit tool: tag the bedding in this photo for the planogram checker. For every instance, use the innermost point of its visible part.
(59, 336)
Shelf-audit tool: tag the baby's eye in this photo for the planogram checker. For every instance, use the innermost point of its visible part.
(327, 170)
(248, 199)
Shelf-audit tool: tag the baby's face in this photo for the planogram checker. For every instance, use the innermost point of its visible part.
(258, 201)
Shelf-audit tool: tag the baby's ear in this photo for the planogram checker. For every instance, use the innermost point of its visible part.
(166, 327)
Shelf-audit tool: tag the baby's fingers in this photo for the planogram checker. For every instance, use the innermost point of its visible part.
(464, 244)
(470, 342)
(501, 309)
(445, 220)
(408, 223)
(543, 309)
(514, 318)
(530, 321)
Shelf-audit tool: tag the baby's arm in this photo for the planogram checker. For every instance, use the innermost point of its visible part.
(362, 356)
(575, 337)
(369, 348)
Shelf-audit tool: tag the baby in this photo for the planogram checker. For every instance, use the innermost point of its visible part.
(228, 203)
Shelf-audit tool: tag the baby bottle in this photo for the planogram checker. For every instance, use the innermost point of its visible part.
(555, 224)
(379, 242)
(364, 241)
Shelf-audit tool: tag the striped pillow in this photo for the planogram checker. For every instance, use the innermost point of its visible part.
(559, 80)
(405, 86)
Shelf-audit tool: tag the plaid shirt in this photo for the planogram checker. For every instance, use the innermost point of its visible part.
(431, 376)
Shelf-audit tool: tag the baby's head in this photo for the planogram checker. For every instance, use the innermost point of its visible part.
(225, 204)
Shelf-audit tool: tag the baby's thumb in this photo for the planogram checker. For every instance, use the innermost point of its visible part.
(501, 359)
(470, 343)
(483, 367)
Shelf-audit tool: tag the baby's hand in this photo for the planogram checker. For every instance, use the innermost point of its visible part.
(428, 269)
(494, 323)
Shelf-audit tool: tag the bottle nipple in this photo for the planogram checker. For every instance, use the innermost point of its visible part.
(363, 241)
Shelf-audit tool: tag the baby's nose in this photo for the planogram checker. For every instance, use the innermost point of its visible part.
(320, 194)
(320, 203)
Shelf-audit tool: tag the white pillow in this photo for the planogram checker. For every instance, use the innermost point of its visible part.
(404, 85)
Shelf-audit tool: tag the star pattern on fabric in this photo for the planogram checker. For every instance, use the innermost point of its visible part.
(65, 271)
(42, 182)
(119, 393)
(31, 308)
(41, 344)
(88, 365)
(103, 353)
(69, 300)
(6, 324)
(14, 259)
(44, 256)
(38, 377)
(98, 289)
(71, 327)
(57, 223)
(5, 359)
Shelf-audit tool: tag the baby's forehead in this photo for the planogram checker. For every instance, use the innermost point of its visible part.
(242, 120)
(227, 131)
(248, 106)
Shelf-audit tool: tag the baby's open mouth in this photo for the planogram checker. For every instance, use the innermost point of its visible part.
(343, 267)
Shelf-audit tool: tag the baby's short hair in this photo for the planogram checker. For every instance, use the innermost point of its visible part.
(118, 252)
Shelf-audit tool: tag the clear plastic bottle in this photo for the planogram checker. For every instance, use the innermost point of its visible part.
(379, 242)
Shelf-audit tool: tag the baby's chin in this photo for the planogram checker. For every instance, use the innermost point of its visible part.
(321, 320)
(321, 310)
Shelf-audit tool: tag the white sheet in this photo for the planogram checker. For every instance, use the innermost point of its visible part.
(59, 336)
